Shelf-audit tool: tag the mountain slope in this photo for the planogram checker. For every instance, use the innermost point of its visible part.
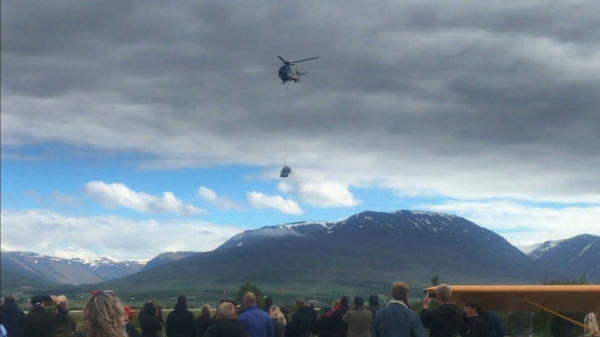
(365, 252)
(578, 256)
(165, 258)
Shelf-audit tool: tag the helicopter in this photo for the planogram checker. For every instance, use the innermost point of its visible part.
(286, 73)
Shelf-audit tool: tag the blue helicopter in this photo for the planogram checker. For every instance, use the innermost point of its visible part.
(286, 73)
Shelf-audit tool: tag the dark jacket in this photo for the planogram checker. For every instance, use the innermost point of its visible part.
(443, 321)
(337, 327)
(278, 327)
(202, 324)
(322, 326)
(13, 319)
(301, 324)
(131, 330)
(374, 305)
(39, 323)
(478, 326)
(226, 328)
(65, 324)
(397, 320)
(497, 329)
(257, 323)
(150, 323)
(181, 322)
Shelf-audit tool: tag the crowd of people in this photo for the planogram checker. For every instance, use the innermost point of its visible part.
(105, 316)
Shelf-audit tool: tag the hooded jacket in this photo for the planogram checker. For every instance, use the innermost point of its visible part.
(181, 322)
(150, 323)
(39, 323)
(12, 318)
(443, 321)
(65, 324)
(301, 324)
(226, 328)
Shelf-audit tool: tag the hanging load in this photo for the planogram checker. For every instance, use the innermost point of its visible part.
(285, 171)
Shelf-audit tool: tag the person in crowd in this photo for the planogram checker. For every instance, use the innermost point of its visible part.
(129, 327)
(322, 326)
(150, 321)
(359, 319)
(226, 323)
(591, 321)
(12, 317)
(396, 319)
(374, 305)
(181, 322)
(65, 321)
(497, 329)
(278, 320)
(203, 320)
(442, 321)
(268, 304)
(337, 327)
(256, 322)
(522, 322)
(313, 311)
(302, 321)
(103, 316)
(476, 322)
(285, 313)
(39, 322)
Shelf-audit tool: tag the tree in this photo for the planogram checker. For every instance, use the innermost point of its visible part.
(247, 287)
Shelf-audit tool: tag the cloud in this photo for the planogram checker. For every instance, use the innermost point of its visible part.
(523, 224)
(420, 98)
(56, 199)
(119, 195)
(86, 236)
(211, 196)
(259, 200)
(321, 194)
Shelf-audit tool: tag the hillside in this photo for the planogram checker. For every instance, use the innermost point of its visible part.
(579, 256)
(365, 252)
(165, 258)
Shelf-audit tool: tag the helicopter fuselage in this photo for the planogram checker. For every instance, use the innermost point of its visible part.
(287, 74)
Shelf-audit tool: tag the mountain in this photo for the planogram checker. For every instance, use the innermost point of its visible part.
(33, 267)
(365, 252)
(527, 249)
(579, 256)
(165, 258)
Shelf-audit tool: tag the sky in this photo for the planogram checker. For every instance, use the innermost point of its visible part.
(133, 128)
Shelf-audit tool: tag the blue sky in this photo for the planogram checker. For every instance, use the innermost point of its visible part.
(128, 138)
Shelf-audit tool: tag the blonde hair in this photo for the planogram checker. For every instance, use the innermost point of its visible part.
(205, 310)
(443, 292)
(60, 301)
(279, 315)
(104, 316)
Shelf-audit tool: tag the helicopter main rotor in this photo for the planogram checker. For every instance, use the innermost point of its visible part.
(291, 63)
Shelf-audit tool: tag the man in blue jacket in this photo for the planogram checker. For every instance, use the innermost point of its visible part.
(396, 319)
(257, 323)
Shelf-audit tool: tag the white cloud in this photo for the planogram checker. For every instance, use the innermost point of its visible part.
(260, 201)
(320, 193)
(89, 236)
(119, 195)
(211, 196)
(523, 224)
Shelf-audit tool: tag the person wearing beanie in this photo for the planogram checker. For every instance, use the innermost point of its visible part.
(322, 327)
(181, 322)
(359, 320)
(39, 322)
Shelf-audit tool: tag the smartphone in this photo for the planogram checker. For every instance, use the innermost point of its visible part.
(432, 295)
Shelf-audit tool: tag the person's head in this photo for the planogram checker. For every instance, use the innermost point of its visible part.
(60, 302)
(443, 292)
(344, 301)
(150, 309)
(300, 302)
(128, 313)
(37, 301)
(325, 308)
(373, 300)
(284, 311)
(358, 303)
(472, 307)
(268, 301)
(181, 300)
(249, 299)
(104, 316)
(9, 299)
(226, 310)
(275, 312)
(400, 291)
(335, 303)
(205, 310)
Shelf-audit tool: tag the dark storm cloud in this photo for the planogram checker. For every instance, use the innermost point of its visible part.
(451, 86)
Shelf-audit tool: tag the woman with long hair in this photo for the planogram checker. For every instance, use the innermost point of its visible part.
(151, 323)
(103, 316)
(203, 320)
(279, 321)
(65, 321)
